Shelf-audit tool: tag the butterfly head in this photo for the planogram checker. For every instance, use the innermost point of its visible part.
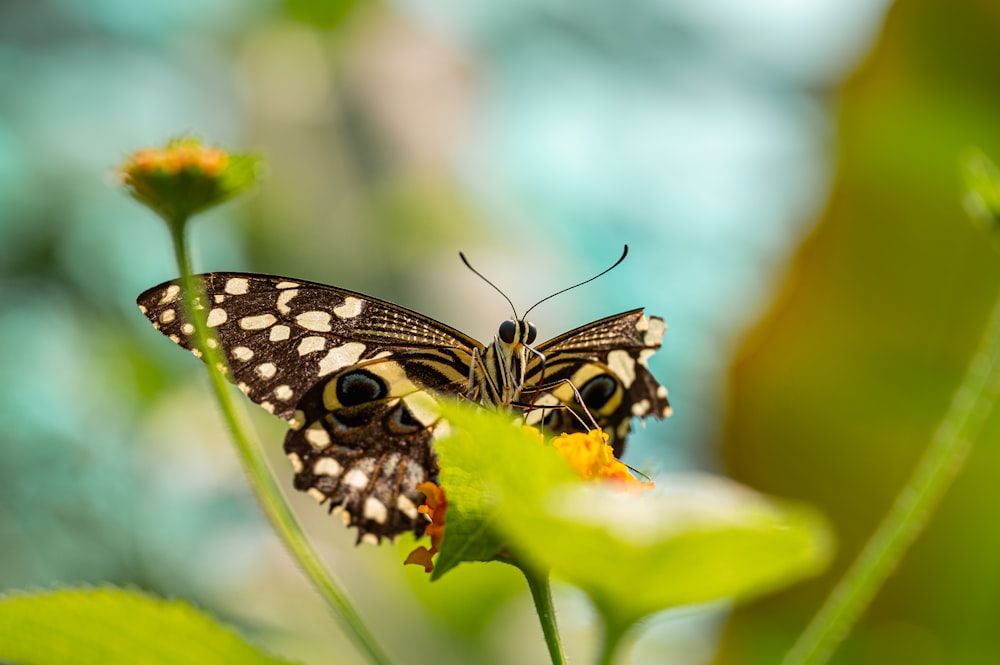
(517, 333)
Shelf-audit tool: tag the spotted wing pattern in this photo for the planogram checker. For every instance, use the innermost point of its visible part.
(358, 379)
(349, 372)
(605, 362)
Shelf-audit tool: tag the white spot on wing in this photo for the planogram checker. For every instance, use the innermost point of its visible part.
(216, 317)
(266, 370)
(340, 356)
(640, 408)
(286, 285)
(237, 286)
(316, 494)
(644, 356)
(356, 478)
(284, 393)
(406, 507)
(375, 510)
(168, 316)
(327, 466)
(310, 344)
(423, 408)
(654, 335)
(284, 298)
(370, 538)
(296, 462)
(314, 320)
(547, 399)
(187, 329)
(533, 417)
(622, 364)
(258, 322)
(280, 333)
(350, 308)
(443, 430)
(243, 353)
(170, 294)
(661, 392)
(317, 436)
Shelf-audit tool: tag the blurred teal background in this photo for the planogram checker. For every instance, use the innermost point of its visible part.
(785, 174)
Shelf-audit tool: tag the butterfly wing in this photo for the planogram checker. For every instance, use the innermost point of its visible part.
(361, 441)
(606, 362)
(280, 337)
(354, 375)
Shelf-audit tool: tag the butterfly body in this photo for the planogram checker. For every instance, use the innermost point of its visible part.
(359, 379)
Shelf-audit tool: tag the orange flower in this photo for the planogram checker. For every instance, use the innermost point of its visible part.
(434, 507)
(593, 459)
(182, 155)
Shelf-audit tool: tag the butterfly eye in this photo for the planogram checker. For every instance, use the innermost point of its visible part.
(532, 333)
(508, 329)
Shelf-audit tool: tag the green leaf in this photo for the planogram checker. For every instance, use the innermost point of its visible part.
(484, 451)
(323, 14)
(107, 626)
(699, 538)
(469, 535)
(982, 188)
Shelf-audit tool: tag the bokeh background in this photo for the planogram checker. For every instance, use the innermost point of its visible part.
(786, 175)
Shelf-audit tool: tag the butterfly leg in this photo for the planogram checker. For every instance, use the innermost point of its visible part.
(528, 408)
(586, 423)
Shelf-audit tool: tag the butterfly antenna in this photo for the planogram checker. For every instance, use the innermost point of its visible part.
(603, 272)
(497, 288)
(637, 472)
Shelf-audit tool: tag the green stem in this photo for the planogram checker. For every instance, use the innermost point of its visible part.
(944, 457)
(613, 634)
(541, 594)
(262, 482)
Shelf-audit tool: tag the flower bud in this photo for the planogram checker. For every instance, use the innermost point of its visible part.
(185, 177)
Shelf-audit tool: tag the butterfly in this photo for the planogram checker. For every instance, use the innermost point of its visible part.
(359, 379)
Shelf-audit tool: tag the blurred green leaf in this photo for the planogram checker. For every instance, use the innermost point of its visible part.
(325, 14)
(876, 321)
(109, 626)
(468, 599)
(700, 539)
(982, 188)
